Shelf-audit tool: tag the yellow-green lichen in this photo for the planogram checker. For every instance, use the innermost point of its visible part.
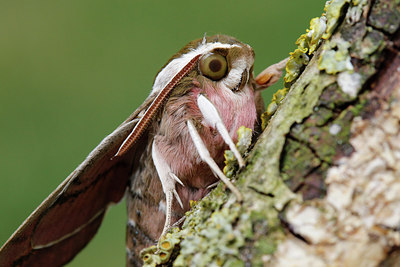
(335, 56)
(273, 106)
(297, 60)
(360, 2)
(317, 29)
(203, 221)
(244, 142)
(156, 255)
(210, 236)
(333, 11)
(309, 41)
(320, 27)
(306, 45)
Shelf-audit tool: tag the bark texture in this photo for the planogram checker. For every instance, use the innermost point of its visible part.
(322, 183)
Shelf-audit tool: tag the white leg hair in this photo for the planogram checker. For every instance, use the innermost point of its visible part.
(206, 157)
(168, 180)
(212, 117)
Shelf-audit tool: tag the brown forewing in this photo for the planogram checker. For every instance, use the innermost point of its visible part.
(67, 219)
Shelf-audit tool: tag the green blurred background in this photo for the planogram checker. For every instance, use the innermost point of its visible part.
(71, 71)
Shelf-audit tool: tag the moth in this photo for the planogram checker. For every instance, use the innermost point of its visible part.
(168, 152)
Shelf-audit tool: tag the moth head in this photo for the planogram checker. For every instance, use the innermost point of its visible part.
(219, 60)
(224, 62)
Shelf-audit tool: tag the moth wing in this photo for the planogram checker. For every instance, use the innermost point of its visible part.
(70, 216)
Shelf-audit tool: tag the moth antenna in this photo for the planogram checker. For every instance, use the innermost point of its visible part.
(157, 103)
(204, 39)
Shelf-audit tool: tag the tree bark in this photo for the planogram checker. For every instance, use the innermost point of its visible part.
(322, 183)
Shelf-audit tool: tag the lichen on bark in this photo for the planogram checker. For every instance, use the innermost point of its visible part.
(323, 179)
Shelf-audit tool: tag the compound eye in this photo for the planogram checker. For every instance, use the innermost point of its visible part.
(213, 66)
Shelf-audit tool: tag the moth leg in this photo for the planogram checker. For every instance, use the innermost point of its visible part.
(270, 75)
(213, 185)
(178, 222)
(206, 157)
(168, 180)
(211, 115)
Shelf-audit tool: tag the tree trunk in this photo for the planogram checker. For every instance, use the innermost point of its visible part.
(322, 183)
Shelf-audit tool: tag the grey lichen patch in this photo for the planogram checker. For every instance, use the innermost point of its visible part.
(365, 45)
(350, 83)
(335, 56)
(335, 129)
(216, 241)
